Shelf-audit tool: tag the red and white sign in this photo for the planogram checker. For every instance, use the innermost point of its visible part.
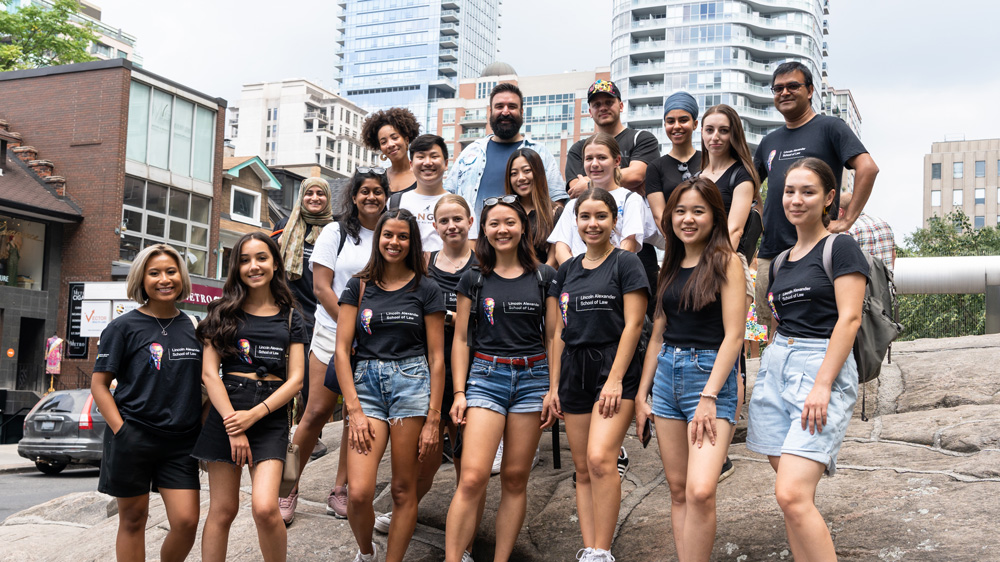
(203, 294)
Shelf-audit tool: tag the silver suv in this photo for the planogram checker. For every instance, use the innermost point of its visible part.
(63, 428)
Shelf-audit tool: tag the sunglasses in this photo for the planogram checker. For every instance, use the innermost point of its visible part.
(508, 199)
(374, 169)
(791, 87)
(685, 173)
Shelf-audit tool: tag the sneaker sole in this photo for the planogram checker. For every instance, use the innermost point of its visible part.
(727, 473)
(330, 511)
(382, 530)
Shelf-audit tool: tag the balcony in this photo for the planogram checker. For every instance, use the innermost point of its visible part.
(826, 7)
(826, 50)
(823, 70)
(449, 4)
(783, 5)
(472, 134)
(651, 90)
(449, 15)
(648, 45)
(448, 42)
(448, 54)
(646, 23)
(478, 117)
(654, 67)
(321, 116)
(645, 113)
(449, 29)
(448, 68)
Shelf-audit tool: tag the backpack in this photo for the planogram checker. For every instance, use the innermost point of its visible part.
(477, 288)
(878, 329)
(394, 201)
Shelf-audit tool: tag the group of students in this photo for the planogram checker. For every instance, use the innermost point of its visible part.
(539, 317)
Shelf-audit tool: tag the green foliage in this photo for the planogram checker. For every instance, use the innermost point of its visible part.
(941, 316)
(34, 36)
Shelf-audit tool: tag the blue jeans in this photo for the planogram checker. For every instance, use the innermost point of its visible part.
(507, 388)
(681, 375)
(392, 390)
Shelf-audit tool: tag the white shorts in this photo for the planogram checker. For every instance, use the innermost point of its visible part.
(324, 343)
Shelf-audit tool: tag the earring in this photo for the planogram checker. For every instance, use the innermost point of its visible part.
(382, 157)
(825, 212)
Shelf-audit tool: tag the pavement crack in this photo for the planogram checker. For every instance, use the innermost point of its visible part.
(635, 498)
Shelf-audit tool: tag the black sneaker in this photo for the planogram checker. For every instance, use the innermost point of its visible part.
(727, 470)
(622, 463)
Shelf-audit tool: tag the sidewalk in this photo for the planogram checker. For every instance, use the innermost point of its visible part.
(11, 462)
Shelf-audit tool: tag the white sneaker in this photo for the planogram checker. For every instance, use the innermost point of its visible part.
(467, 557)
(598, 555)
(373, 557)
(382, 523)
(497, 460)
(584, 554)
(622, 464)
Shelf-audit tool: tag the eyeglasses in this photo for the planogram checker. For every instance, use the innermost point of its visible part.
(508, 199)
(685, 173)
(791, 87)
(374, 169)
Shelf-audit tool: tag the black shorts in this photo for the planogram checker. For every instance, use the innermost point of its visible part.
(583, 372)
(330, 380)
(136, 460)
(268, 437)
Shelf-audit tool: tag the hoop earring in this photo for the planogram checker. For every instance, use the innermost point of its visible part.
(382, 157)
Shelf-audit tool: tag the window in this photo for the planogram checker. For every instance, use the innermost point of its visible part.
(244, 204)
(980, 168)
(980, 196)
(448, 116)
(935, 171)
(102, 50)
(586, 124)
(956, 198)
(170, 133)
(957, 170)
(935, 199)
(979, 222)
(448, 133)
(25, 269)
(153, 213)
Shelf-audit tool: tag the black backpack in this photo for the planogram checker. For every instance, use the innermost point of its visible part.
(477, 288)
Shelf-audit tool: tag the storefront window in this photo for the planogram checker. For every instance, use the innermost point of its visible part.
(22, 253)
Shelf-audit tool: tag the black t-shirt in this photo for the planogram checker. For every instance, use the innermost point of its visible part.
(662, 176)
(447, 281)
(642, 147)
(302, 288)
(698, 329)
(802, 297)
(390, 324)
(541, 249)
(727, 183)
(159, 377)
(592, 301)
(262, 341)
(824, 137)
(511, 312)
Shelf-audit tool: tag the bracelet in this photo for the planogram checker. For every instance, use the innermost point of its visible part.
(435, 410)
(712, 397)
(266, 406)
(457, 392)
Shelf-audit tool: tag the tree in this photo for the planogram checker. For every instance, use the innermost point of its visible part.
(938, 316)
(34, 36)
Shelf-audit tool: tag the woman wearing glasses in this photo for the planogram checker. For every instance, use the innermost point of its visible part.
(601, 158)
(502, 396)
(680, 119)
(391, 132)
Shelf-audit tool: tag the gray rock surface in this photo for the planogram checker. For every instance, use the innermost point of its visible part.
(917, 482)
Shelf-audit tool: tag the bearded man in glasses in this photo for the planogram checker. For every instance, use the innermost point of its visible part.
(805, 133)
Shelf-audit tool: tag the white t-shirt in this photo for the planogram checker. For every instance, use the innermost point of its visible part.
(422, 207)
(631, 220)
(352, 259)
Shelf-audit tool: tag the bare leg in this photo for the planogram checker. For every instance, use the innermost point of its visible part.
(672, 437)
(703, 466)
(603, 445)
(130, 545)
(578, 434)
(795, 490)
(319, 408)
(481, 438)
(223, 504)
(405, 436)
(429, 468)
(271, 533)
(521, 437)
(362, 471)
(183, 508)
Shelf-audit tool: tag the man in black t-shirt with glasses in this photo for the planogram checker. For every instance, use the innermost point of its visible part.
(805, 133)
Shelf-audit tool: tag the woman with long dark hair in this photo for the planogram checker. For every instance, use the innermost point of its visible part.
(341, 251)
(600, 297)
(526, 178)
(256, 338)
(394, 392)
(502, 394)
(690, 366)
(390, 132)
(808, 380)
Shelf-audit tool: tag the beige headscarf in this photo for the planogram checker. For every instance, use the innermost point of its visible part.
(304, 227)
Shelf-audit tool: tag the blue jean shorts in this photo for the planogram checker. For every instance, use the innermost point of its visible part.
(787, 374)
(507, 389)
(392, 390)
(681, 375)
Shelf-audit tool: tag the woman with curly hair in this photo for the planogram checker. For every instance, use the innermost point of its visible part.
(390, 132)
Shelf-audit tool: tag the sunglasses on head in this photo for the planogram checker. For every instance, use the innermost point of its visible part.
(508, 199)
(373, 169)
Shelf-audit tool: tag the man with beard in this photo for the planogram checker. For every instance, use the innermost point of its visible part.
(478, 174)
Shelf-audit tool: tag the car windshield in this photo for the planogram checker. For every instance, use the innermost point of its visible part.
(60, 403)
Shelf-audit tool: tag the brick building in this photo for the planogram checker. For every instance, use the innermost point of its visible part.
(246, 182)
(141, 156)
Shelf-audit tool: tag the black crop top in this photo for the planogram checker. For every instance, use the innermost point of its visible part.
(261, 343)
(698, 329)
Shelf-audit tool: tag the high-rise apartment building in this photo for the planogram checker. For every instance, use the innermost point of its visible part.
(722, 51)
(963, 175)
(840, 104)
(411, 53)
(298, 125)
(112, 42)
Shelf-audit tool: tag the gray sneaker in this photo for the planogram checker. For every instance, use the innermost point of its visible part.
(382, 523)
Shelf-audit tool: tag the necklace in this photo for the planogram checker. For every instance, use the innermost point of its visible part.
(163, 329)
(453, 264)
(600, 257)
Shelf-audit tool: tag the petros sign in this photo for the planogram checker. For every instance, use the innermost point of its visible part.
(103, 302)
(203, 295)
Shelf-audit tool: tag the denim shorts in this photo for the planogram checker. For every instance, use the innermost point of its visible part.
(681, 375)
(392, 390)
(787, 374)
(268, 437)
(507, 389)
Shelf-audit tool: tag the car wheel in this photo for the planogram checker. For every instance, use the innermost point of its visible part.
(54, 468)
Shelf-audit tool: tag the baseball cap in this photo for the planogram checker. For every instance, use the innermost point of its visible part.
(603, 87)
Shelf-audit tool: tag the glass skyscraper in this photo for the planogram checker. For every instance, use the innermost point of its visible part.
(721, 51)
(410, 53)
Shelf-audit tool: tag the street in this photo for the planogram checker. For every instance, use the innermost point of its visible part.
(21, 491)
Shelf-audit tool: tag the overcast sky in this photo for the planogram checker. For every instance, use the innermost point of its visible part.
(919, 70)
